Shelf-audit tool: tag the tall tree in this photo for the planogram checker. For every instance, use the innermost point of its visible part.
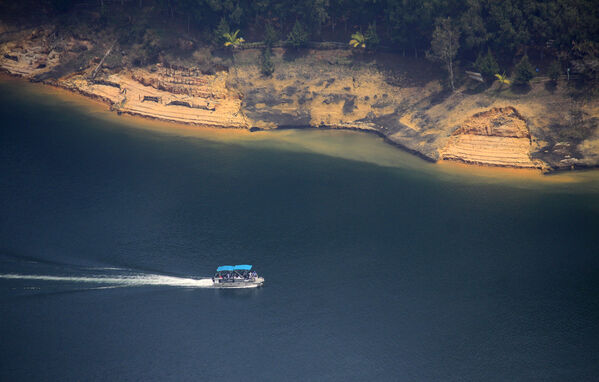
(586, 61)
(220, 31)
(319, 15)
(298, 37)
(507, 23)
(371, 36)
(473, 25)
(444, 45)
(523, 72)
(486, 65)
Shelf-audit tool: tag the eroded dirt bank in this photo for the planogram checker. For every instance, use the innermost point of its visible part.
(395, 97)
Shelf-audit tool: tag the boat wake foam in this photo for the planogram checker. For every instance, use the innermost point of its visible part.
(120, 280)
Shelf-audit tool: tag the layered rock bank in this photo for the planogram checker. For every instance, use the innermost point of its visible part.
(397, 98)
(170, 95)
(497, 137)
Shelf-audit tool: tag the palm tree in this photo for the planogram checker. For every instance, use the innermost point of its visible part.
(502, 78)
(358, 40)
(231, 39)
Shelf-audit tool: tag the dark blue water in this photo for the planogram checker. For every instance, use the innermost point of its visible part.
(372, 273)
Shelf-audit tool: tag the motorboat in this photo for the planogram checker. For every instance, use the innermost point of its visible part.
(236, 276)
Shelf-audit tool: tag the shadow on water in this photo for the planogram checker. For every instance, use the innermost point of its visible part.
(238, 294)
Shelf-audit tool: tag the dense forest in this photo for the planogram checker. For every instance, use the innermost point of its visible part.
(486, 31)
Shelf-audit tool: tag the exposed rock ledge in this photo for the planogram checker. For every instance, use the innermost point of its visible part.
(497, 137)
(200, 100)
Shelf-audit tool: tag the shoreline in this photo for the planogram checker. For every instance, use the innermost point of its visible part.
(104, 106)
(357, 129)
(106, 102)
(401, 100)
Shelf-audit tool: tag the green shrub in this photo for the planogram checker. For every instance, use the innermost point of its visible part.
(270, 35)
(523, 72)
(487, 66)
(298, 37)
(220, 31)
(554, 71)
(266, 65)
(371, 37)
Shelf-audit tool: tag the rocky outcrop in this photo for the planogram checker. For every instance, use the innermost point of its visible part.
(497, 137)
(31, 55)
(497, 122)
(202, 101)
(180, 95)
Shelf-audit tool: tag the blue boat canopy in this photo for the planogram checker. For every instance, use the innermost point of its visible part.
(243, 267)
(225, 268)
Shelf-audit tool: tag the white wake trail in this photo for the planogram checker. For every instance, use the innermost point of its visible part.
(135, 280)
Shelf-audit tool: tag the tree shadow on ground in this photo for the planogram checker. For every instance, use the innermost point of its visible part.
(551, 86)
(521, 89)
(361, 56)
(480, 87)
(582, 92)
(439, 97)
(292, 54)
(225, 55)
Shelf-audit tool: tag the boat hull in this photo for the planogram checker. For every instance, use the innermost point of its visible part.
(238, 283)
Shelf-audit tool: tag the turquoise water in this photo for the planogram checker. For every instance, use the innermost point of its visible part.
(377, 264)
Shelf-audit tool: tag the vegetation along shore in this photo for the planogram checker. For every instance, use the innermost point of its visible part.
(479, 82)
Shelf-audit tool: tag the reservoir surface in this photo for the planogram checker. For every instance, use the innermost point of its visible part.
(378, 265)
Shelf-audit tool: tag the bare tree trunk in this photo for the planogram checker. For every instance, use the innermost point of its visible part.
(444, 46)
(102, 61)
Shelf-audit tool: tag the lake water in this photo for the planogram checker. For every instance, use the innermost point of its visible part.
(378, 266)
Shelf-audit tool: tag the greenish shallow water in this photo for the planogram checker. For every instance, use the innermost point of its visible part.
(378, 265)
